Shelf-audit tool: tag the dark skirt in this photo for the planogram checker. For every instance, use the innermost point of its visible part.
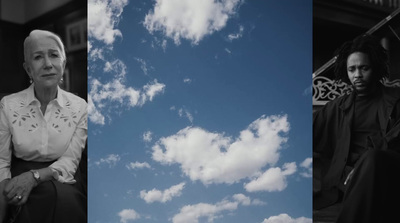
(50, 201)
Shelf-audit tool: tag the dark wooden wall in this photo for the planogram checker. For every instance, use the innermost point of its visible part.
(337, 22)
(12, 75)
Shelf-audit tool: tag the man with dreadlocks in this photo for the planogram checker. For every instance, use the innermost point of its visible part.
(356, 141)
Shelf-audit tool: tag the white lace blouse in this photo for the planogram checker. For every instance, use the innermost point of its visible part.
(58, 135)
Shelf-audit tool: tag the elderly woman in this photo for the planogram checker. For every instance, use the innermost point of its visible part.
(43, 130)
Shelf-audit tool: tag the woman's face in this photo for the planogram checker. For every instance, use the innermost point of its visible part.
(46, 64)
(360, 73)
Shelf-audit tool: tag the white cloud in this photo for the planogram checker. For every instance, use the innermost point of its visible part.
(237, 35)
(258, 202)
(111, 160)
(128, 215)
(94, 114)
(215, 158)
(155, 195)
(111, 92)
(89, 46)
(241, 198)
(138, 165)
(158, 43)
(152, 89)
(164, 44)
(102, 95)
(191, 20)
(103, 16)
(117, 66)
(187, 80)
(285, 218)
(274, 179)
(307, 165)
(147, 136)
(95, 53)
(114, 90)
(185, 113)
(192, 213)
(144, 66)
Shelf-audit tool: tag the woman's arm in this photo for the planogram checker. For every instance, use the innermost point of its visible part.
(5, 158)
(67, 164)
(3, 200)
(5, 143)
(23, 184)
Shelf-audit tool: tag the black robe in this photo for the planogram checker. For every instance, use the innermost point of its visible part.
(332, 137)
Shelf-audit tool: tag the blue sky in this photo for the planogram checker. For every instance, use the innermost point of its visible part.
(198, 111)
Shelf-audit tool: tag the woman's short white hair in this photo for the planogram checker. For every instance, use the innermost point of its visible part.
(36, 34)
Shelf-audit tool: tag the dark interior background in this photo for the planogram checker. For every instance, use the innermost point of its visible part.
(67, 18)
(335, 22)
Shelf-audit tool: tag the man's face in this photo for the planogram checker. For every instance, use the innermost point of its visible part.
(360, 73)
(46, 64)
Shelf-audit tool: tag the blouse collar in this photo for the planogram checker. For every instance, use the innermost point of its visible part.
(32, 99)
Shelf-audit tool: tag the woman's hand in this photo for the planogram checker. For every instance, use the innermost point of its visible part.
(3, 200)
(18, 188)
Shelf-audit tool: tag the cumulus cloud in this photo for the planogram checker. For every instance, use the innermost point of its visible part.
(111, 160)
(144, 66)
(103, 16)
(274, 179)
(155, 195)
(116, 66)
(157, 43)
(152, 89)
(185, 113)
(95, 53)
(246, 201)
(112, 91)
(258, 202)
(187, 80)
(216, 158)
(147, 136)
(191, 20)
(192, 213)
(238, 35)
(285, 218)
(128, 215)
(137, 165)
(102, 95)
(94, 114)
(241, 198)
(307, 167)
